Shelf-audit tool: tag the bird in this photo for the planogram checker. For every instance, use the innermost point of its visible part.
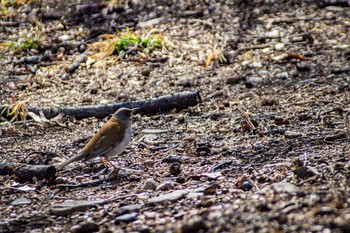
(110, 140)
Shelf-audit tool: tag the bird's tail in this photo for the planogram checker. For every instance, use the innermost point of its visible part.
(77, 157)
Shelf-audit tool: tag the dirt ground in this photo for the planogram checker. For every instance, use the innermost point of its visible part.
(266, 150)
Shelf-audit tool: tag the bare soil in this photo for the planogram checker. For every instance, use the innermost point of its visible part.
(266, 150)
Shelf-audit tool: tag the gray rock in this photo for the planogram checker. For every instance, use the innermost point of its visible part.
(21, 201)
(194, 195)
(150, 184)
(173, 196)
(130, 208)
(69, 207)
(292, 134)
(154, 131)
(85, 227)
(285, 188)
(171, 159)
(167, 185)
(126, 218)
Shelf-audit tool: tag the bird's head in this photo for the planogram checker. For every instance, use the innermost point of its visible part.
(124, 114)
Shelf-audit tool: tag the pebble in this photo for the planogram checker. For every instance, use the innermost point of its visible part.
(194, 195)
(173, 196)
(122, 96)
(146, 73)
(292, 134)
(149, 163)
(211, 190)
(94, 91)
(130, 208)
(253, 81)
(325, 210)
(233, 80)
(167, 185)
(303, 66)
(273, 34)
(69, 207)
(175, 169)
(247, 185)
(171, 159)
(304, 172)
(85, 227)
(126, 218)
(21, 201)
(181, 118)
(64, 38)
(284, 187)
(335, 8)
(150, 184)
(282, 76)
(279, 46)
(154, 131)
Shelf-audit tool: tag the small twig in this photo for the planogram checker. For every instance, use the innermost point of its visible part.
(246, 117)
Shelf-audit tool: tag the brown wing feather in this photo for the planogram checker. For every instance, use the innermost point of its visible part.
(104, 140)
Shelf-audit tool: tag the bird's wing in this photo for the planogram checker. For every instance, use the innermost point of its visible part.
(105, 139)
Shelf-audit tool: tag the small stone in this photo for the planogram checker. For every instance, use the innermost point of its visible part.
(284, 187)
(282, 76)
(253, 82)
(150, 184)
(211, 190)
(233, 80)
(194, 195)
(146, 73)
(134, 177)
(303, 66)
(273, 34)
(175, 169)
(304, 172)
(181, 118)
(324, 210)
(126, 218)
(313, 199)
(149, 163)
(297, 39)
(171, 159)
(167, 185)
(154, 131)
(247, 185)
(279, 46)
(334, 8)
(173, 196)
(130, 208)
(263, 207)
(64, 38)
(69, 207)
(94, 91)
(292, 134)
(85, 227)
(122, 96)
(21, 201)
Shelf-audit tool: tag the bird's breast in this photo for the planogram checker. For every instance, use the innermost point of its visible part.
(119, 147)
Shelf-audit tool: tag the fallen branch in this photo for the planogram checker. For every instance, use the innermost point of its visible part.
(28, 172)
(161, 104)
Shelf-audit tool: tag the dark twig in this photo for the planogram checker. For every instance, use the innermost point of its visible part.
(161, 104)
(28, 172)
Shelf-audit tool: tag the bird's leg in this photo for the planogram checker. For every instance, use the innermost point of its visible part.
(107, 163)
